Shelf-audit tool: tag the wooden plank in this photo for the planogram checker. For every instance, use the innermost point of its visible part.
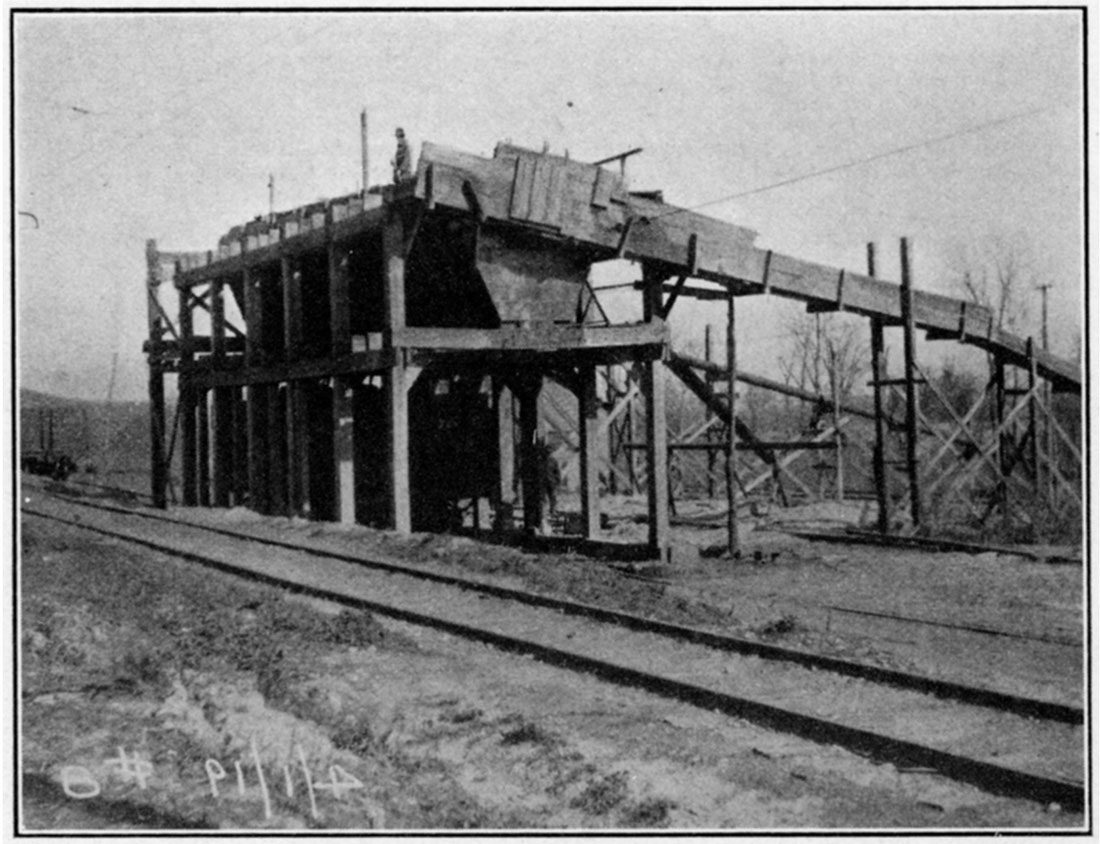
(540, 187)
(601, 188)
(543, 338)
(555, 197)
(356, 363)
(520, 207)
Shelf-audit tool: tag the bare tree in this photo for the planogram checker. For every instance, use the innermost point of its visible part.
(814, 342)
(998, 272)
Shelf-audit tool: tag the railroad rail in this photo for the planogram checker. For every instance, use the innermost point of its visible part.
(547, 641)
(1017, 704)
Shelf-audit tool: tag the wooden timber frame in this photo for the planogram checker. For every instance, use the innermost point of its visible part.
(335, 310)
(249, 389)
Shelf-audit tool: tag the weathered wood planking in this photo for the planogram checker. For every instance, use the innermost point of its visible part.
(589, 205)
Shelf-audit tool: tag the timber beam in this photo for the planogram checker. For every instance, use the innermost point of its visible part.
(207, 374)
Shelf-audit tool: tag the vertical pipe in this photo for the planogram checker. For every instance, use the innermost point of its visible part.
(733, 538)
(911, 409)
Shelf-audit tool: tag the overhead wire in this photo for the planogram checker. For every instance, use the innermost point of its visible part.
(858, 162)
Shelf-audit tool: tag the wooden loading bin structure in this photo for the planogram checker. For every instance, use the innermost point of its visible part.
(379, 358)
(386, 339)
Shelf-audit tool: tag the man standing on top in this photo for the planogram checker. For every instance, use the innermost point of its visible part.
(402, 166)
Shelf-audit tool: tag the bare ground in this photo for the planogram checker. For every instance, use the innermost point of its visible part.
(130, 653)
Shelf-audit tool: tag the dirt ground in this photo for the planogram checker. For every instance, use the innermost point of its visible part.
(146, 683)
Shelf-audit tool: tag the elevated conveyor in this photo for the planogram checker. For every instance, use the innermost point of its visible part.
(587, 205)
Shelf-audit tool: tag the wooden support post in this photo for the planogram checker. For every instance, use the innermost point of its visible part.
(878, 375)
(397, 402)
(504, 493)
(708, 354)
(1002, 441)
(203, 424)
(839, 436)
(188, 401)
(530, 468)
(656, 425)
(276, 450)
(296, 428)
(339, 293)
(253, 318)
(217, 319)
(733, 538)
(239, 410)
(588, 418)
(223, 444)
(257, 449)
(343, 452)
(632, 433)
(159, 465)
(912, 433)
(1033, 412)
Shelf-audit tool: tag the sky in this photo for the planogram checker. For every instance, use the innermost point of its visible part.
(130, 126)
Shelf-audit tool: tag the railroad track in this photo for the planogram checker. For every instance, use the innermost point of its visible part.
(1005, 702)
(810, 696)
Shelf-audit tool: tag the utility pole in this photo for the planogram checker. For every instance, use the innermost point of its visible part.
(271, 197)
(365, 162)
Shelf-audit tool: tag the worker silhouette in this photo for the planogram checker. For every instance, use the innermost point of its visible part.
(402, 164)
